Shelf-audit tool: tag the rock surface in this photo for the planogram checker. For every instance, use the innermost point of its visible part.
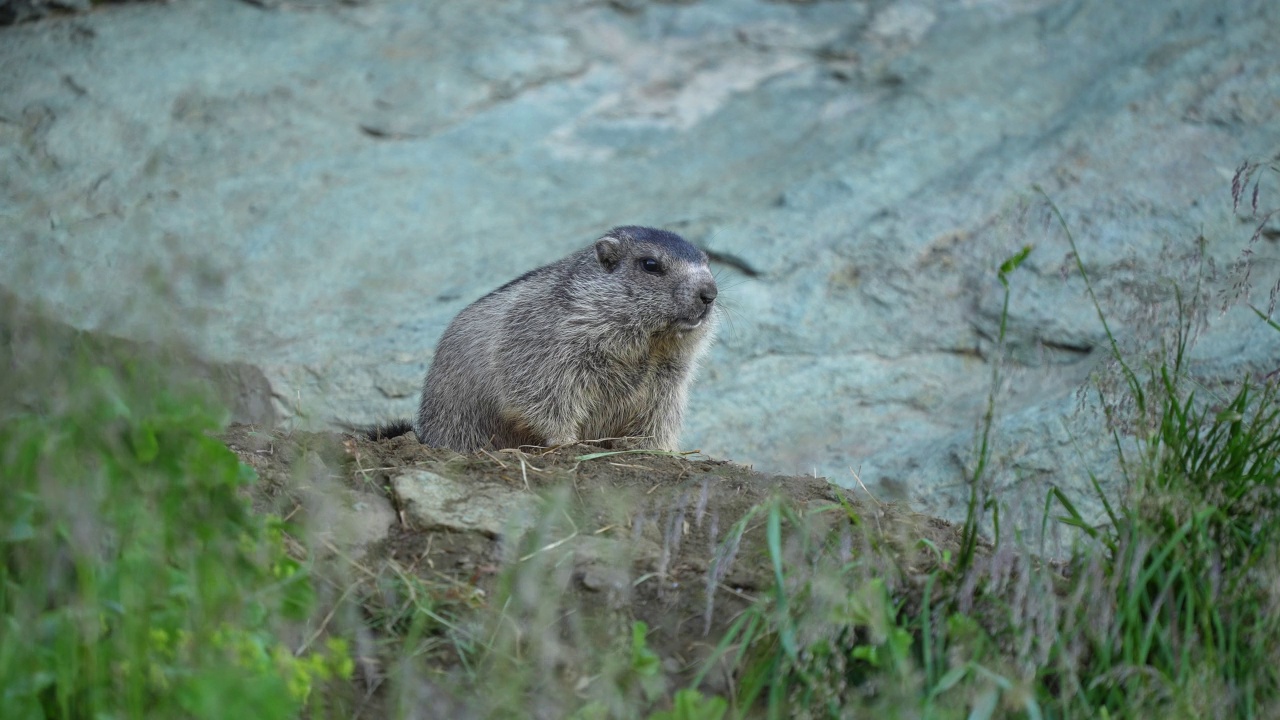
(434, 502)
(317, 189)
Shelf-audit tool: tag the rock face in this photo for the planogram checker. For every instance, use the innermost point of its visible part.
(318, 190)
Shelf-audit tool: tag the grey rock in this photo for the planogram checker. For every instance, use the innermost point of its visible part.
(433, 502)
(38, 352)
(602, 564)
(15, 11)
(339, 515)
(318, 193)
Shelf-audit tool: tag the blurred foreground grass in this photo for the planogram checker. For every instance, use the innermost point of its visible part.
(134, 580)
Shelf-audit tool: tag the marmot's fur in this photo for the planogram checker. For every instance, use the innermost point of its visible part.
(602, 344)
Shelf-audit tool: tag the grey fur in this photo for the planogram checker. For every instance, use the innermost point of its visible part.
(593, 346)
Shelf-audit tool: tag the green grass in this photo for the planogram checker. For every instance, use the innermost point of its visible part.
(1190, 565)
(135, 581)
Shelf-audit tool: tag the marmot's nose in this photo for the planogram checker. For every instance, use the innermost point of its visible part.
(707, 293)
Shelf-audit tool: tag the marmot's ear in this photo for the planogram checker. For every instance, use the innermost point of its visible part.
(609, 253)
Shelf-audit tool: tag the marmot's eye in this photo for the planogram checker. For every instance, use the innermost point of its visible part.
(651, 265)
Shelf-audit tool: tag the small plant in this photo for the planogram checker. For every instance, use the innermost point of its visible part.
(1246, 186)
(693, 705)
(637, 679)
(134, 579)
(979, 495)
(1188, 620)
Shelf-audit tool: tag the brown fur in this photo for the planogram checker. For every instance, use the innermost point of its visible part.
(594, 346)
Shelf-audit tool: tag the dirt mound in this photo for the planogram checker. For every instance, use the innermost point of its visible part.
(569, 546)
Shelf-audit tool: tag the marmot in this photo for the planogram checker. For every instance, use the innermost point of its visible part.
(602, 344)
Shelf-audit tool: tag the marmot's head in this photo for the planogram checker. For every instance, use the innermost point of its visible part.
(656, 279)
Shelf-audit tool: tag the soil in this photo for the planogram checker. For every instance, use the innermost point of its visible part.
(607, 538)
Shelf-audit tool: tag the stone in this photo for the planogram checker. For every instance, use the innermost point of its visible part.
(432, 502)
(346, 517)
